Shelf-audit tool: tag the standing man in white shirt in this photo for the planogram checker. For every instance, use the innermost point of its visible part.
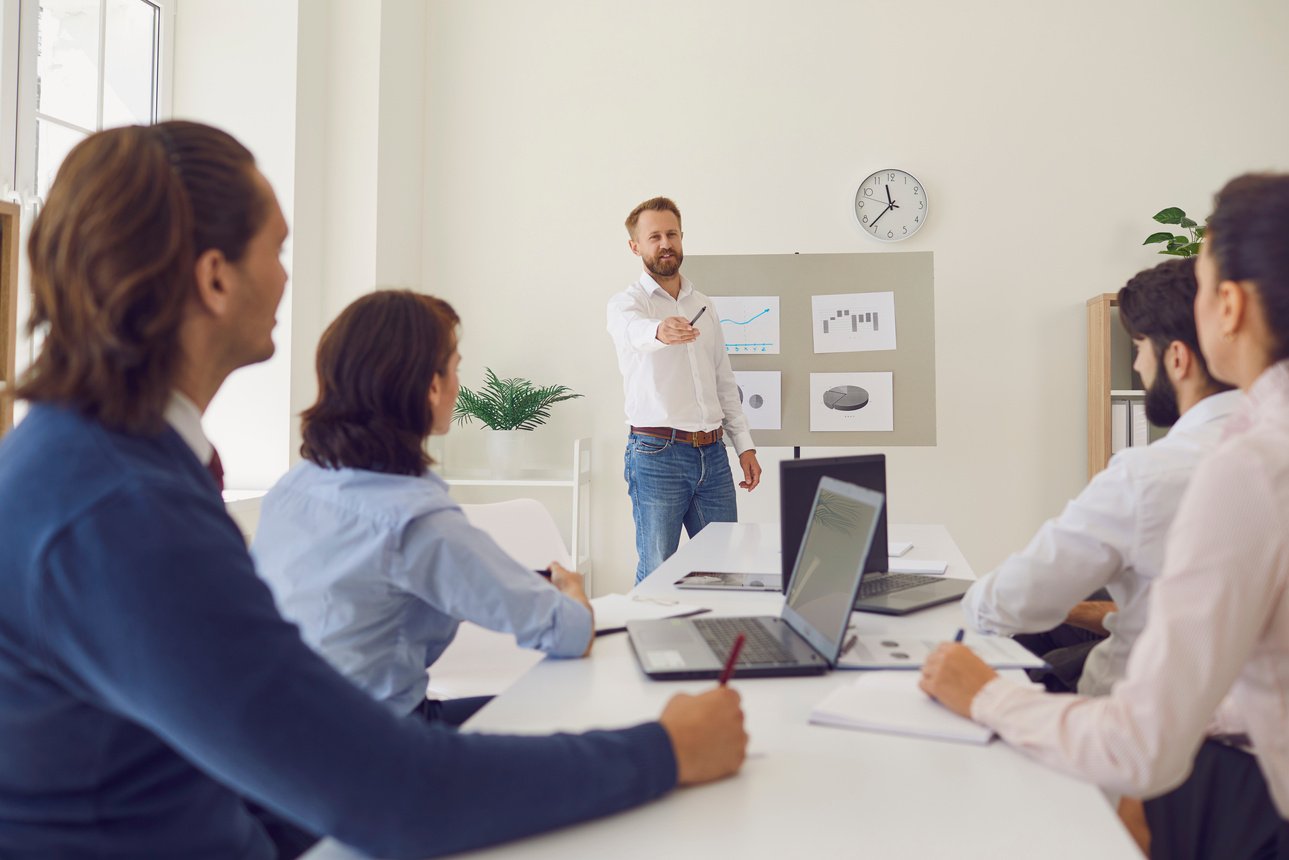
(681, 398)
(1112, 535)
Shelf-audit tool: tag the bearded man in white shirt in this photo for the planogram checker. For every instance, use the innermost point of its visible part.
(681, 398)
(1112, 535)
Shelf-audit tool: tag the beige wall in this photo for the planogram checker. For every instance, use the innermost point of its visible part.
(1045, 134)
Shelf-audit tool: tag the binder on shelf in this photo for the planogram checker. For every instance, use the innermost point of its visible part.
(1140, 434)
(1119, 425)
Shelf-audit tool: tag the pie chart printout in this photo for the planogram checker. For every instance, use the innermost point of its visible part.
(851, 402)
(846, 398)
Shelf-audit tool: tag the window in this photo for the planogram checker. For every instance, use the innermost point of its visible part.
(70, 68)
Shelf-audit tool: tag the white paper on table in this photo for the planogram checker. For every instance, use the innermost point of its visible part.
(897, 548)
(892, 703)
(834, 398)
(853, 322)
(910, 652)
(613, 611)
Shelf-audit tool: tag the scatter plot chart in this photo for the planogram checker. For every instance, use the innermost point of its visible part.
(750, 324)
(853, 322)
(760, 392)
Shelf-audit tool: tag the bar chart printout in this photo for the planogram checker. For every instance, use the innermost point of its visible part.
(750, 324)
(853, 322)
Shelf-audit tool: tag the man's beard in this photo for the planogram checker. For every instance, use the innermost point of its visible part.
(1161, 401)
(664, 268)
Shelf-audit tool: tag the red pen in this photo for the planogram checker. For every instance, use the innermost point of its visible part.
(728, 671)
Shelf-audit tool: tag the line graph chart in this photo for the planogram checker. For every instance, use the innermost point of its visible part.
(750, 324)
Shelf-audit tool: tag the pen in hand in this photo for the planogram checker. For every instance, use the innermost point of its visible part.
(701, 311)
(728, 671)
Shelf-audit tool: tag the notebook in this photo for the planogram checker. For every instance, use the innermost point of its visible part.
(910, 652)
(712, 580)
(613, 611)
(806, 638)
(893, 703)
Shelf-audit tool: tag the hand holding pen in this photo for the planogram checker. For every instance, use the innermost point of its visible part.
(678, 329)
(706, 731)
(953, 675)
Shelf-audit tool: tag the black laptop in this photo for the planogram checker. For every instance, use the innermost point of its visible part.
(807, 637)
(881, 592)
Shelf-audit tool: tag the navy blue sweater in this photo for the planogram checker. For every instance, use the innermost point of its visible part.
(148, 685)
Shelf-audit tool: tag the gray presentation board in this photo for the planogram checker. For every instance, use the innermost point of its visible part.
(797, 277)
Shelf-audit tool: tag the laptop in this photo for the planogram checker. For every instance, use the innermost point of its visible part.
(806, 638)
(881, 592)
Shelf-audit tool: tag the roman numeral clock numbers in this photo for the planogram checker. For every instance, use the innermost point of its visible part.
(891, 205)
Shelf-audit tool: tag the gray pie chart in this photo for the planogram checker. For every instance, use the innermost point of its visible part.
(756, 401)
(845, 398)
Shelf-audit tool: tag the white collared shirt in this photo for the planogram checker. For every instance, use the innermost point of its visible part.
(1111, 536)
(686, 386)
(1218, 622)
(183, 415)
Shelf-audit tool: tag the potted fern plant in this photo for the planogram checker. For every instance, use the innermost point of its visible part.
(511, 409)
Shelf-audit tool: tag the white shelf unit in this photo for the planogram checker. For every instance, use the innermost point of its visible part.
(577, 480)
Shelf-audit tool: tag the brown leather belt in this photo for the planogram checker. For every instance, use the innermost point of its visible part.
(697, 438)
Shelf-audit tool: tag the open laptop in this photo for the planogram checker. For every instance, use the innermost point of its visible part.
(881, 592)
(807, 637)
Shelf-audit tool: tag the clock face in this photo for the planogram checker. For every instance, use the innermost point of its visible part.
(891, 205)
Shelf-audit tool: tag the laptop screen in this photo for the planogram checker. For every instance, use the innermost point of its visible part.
(830, 564)
(798, 480)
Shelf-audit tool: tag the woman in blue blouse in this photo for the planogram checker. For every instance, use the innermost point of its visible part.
(360, 542)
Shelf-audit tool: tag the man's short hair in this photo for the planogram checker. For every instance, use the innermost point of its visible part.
(653, 204)
(1158, 304)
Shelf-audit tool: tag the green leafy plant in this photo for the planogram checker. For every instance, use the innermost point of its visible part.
(1178, 246)
(509, 404)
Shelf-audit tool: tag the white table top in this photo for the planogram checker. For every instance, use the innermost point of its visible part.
(805, 790)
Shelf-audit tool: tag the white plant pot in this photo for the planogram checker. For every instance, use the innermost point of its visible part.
(509, 452)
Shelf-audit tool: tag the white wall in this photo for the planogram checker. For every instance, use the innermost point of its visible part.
(1046, 136)
(242, 78)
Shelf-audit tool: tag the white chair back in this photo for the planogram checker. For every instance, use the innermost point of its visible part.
(524, 529)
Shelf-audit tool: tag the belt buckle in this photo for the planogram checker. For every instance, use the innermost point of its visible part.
(699, 439)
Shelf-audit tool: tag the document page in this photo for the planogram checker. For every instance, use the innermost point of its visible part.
(907, 652)
(892, 703)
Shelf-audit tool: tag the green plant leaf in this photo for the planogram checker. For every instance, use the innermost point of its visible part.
(1200, 231)
(509, 404)
(1191, 250)
(1177, 242)
(1171, 215)
(1157, 237)
(1188, 223)
(1175, 253)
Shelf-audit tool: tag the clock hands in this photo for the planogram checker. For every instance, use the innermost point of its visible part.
(889, 201)
(879, 217)
(890, 204)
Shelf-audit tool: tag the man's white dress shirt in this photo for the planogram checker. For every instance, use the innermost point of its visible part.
(184, 416)
(1218, 622)
(1111, 536)
(687, 386)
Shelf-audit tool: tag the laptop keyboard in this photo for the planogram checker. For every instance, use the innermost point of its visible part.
(759, 648)
(874, 586)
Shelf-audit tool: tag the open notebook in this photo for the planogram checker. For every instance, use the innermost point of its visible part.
(613, 611)
(892, 703)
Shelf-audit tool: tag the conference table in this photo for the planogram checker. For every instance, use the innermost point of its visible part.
(805, 790)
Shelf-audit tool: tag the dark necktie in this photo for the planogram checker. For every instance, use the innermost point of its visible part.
(216, 469)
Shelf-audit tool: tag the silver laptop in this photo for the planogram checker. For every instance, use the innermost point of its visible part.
(806, 639)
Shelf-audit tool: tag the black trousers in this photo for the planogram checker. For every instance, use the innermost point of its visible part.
(1222, 811)
(451, 712)
(1065, 648)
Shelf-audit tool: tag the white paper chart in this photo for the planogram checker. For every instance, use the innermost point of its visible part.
(853, 322)
(851, 401)
(760, 392)
(750, 324)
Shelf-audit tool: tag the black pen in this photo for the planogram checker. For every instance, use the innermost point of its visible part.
(699, 314)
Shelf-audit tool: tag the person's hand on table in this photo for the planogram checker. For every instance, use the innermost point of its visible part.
(1091, 614)
(751, 470)
(953, 675)
(676, 330)
(706, 734)
(573, 585)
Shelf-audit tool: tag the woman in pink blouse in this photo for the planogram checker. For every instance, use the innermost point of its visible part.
(1218, 629)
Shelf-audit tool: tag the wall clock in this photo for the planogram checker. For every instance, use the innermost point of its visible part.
(891, 205)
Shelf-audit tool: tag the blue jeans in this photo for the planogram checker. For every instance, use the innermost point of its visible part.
(674, 483)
